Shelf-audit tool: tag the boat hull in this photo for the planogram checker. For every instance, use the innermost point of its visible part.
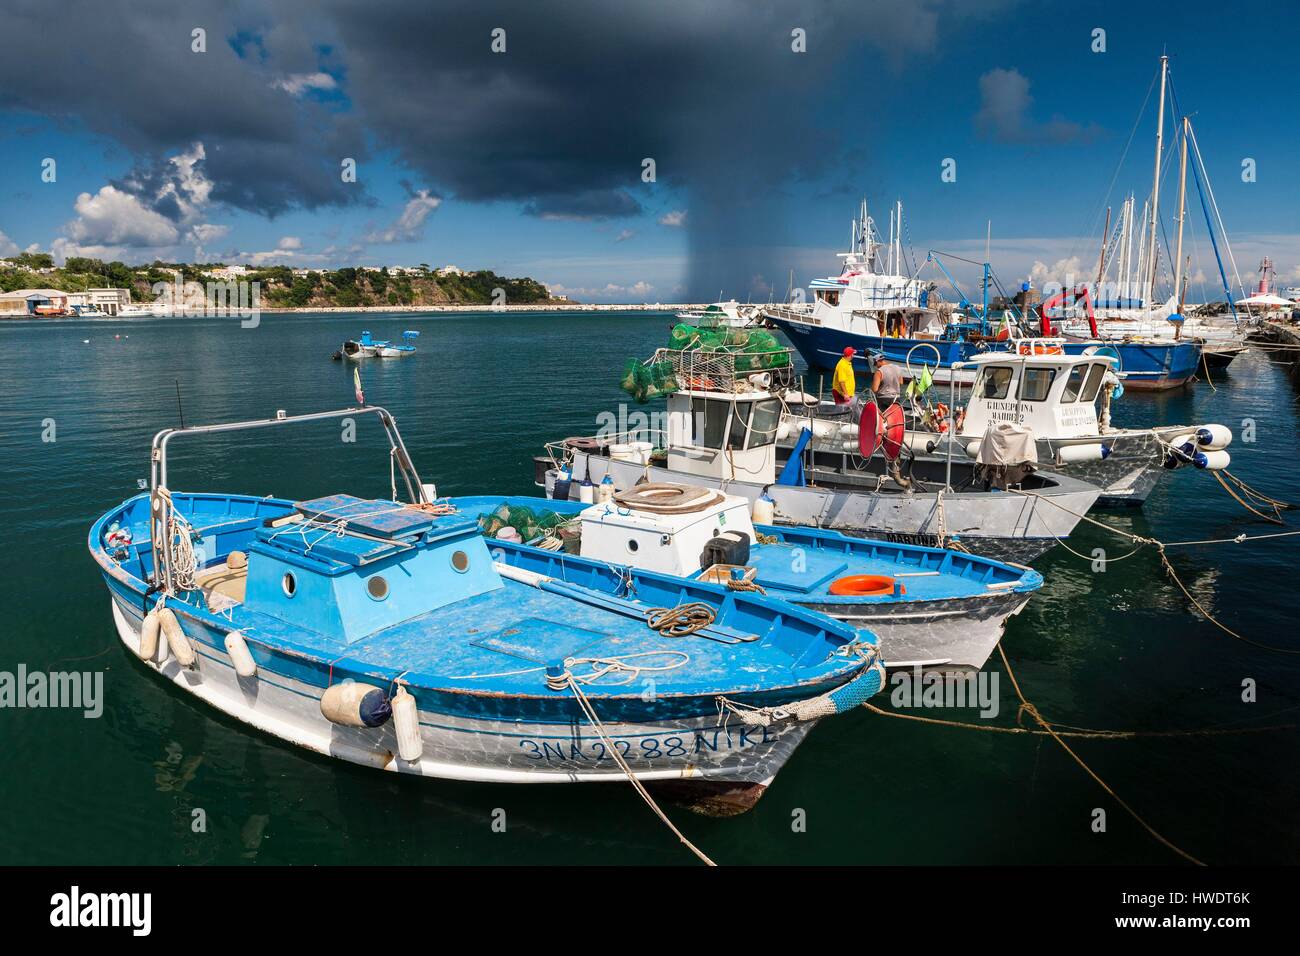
(951, 634)
(822, 347)
(726, 757)
(1150, 366)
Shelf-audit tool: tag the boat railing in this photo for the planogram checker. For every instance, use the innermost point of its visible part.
(602, 442)
(699, 370)
(162, 523)
(801, 314)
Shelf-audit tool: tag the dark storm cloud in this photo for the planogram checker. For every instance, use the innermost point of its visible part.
(560, 123)
(127, 71)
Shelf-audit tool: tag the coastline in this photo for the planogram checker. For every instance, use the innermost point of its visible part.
(471, 307)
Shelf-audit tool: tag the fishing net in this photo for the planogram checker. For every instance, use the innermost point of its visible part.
(648, 380)
(745, 351)
(529, 522)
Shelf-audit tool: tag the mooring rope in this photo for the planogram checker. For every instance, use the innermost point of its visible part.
(1169, 569)
(632, 778)
(1027, 708)
(1086, 733)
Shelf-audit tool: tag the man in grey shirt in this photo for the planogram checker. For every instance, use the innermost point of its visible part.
(887, 383)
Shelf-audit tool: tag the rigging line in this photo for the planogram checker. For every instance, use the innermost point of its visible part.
(1096, 216)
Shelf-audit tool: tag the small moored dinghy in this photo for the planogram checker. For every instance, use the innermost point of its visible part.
(929, 607)
(385, 634)
(369, 347)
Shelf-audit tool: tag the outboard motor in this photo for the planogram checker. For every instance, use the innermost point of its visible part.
(730, 547)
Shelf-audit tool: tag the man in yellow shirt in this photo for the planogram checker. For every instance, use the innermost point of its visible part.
(844, 387)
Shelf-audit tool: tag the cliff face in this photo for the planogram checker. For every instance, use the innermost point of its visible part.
(362, 287)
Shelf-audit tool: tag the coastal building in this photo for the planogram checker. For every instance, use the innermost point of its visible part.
(229, 273)
(27, 302)
(451, 271)
(111, 301)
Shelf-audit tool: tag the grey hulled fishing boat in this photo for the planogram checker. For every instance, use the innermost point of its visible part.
(723, 418)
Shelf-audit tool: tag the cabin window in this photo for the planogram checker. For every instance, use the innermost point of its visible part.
(829, 297)
(377, 588)
(1035, 383)
(711, 414)
(762, 424)
(289, 584)
(1093, 385)
(1074, 384)
(995, 382)
(753, 424)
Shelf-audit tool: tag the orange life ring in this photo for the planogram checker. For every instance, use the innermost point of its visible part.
(865, 585)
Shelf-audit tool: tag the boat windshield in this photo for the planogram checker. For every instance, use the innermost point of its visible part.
(1035, 383)
(1074, 384)
(994, 382)
(1095, 372)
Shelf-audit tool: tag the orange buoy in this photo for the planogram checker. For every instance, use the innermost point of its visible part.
(865, 585)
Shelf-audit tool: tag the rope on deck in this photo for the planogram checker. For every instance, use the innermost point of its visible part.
(637, 785)
(680, 621)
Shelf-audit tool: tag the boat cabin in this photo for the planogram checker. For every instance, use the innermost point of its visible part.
(1053, 394)
(673, 544)
(727, 435)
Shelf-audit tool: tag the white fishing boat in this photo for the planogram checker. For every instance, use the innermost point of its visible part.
(1059, 406)
(728, 314)
(724, 420)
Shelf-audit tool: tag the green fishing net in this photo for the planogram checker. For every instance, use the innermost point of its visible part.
(529, 522)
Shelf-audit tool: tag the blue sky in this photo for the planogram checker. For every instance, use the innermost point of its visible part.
(529, 161)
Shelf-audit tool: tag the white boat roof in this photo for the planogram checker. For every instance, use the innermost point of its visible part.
(1047, 358)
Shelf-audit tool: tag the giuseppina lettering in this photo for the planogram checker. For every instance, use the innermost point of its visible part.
(669, 746)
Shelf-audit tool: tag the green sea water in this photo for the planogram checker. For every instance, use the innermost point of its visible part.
(1118, 649)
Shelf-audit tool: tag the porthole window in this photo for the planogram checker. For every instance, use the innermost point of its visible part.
(632, 545)
(289, 583)
(460, 561)
(377, 587)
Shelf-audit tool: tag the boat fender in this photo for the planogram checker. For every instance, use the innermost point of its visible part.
(764, 510)
(1180, 452)
(149, 635)
(587, 492)
(1215, 460)
(973, 449)
(1068, 454)
(605, 491)
(240, 655)
(1213, 437)
(406, 721)
(355, 705)
(177, 642)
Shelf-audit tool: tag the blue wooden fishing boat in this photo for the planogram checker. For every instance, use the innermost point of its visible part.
(929, 607)
(385, 634)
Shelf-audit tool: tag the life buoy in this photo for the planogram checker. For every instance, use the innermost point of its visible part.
(865, 585)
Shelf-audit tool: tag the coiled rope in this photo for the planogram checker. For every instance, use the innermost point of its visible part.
(680, 621)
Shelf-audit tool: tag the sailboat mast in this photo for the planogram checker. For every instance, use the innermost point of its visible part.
(1101, 261)
(898, 238)
(1155, 184)
(1182, 210)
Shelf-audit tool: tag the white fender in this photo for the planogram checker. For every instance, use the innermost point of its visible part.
(177, 642)
(406, 721)
(355, 705)
(1213, 437)
(149, 635)
(240, 655)
(1215, 460)
(1066, 454)
(764, 510)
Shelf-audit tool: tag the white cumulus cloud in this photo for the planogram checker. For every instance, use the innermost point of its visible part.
(675, 218)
